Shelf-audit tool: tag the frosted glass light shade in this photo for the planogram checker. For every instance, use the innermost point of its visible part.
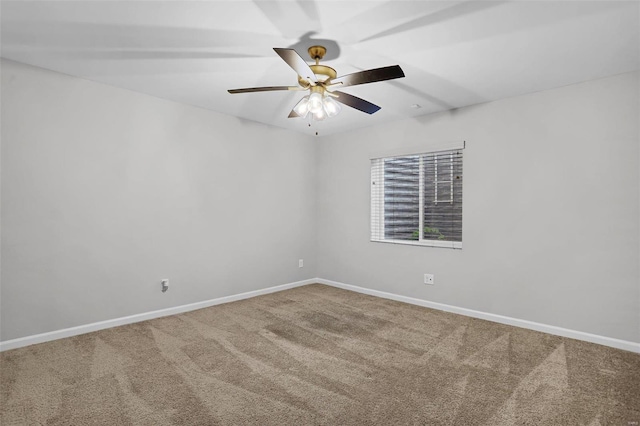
(320, 115)
(315, 102)
(302, 107)
(331, 106)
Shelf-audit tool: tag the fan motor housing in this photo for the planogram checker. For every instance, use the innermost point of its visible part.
(322, 72)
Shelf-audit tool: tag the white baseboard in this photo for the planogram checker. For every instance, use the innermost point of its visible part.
(88, 328)
(550, 329)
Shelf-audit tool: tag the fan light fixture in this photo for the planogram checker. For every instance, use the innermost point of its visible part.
(321, 81)
(320, 107)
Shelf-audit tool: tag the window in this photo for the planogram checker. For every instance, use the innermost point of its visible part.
(417, 199)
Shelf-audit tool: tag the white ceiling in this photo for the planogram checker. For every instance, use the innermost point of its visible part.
(454, 53)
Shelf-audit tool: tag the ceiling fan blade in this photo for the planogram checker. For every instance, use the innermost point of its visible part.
(293, 114)
(264, 89)
(369, 76)
(296, 62)
(356, 102)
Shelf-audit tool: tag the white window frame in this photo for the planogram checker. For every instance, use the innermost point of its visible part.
(377, 211)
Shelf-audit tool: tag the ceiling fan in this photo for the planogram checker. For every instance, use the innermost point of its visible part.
(323, 100)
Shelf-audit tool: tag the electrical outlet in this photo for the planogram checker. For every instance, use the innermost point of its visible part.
(300, 263)
(165, 285)
(429, 279)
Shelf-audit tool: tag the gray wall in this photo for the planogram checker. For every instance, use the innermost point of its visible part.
(551, 217)
(106, 191)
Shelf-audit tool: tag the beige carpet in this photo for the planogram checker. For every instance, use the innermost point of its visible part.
(319, 355)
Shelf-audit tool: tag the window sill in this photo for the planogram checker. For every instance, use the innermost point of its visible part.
(426, 243)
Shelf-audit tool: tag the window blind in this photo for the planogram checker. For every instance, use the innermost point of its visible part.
(417, 199)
